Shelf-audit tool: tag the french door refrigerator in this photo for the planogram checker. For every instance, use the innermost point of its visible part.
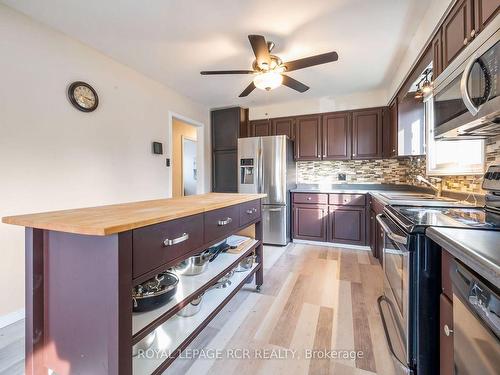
(266, 165)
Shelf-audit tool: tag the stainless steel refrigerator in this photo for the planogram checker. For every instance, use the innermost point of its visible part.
(266, 165)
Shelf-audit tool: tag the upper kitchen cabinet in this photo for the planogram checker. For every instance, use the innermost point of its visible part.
(227, 126)
(457, 29)
(437, 54)
(336, 136)
(283, 126)
(308, 138)
(484, 12)
(260, 128)
(367, 134)
(411, 126)
(391, 130)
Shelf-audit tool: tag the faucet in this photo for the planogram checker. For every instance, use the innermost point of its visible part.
(437, 188)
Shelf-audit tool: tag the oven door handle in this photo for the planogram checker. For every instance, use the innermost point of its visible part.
(393, 236)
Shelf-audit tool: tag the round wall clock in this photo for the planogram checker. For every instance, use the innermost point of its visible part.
(83, 96)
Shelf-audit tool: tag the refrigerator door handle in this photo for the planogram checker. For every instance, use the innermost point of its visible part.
(261, 171)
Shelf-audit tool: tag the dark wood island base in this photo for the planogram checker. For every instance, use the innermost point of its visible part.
(81, 268)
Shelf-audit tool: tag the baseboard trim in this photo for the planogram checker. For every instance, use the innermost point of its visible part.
(11, 318)
(333, 244)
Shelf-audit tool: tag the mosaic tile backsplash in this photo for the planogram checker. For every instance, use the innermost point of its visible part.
(390, 171)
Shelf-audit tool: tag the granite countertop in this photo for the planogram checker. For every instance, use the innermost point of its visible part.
(478, 249)
(380, 192)
(116, 218)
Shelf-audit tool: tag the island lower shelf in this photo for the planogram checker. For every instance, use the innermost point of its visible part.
(189, 288)
(177, 332)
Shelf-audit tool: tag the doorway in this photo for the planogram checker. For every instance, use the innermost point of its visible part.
(185, 175)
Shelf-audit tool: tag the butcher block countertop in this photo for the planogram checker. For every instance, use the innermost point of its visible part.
(116, 218)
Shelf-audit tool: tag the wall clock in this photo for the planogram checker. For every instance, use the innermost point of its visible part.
(83, 96)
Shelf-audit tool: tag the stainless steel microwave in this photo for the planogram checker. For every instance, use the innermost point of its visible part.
(466, 94)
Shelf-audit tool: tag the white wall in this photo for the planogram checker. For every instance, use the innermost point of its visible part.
(433, 15)
(55, 157)
(319, 105)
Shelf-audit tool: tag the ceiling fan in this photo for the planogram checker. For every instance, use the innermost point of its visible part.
(269, 69)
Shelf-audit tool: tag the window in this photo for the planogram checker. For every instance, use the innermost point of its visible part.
(465, 157)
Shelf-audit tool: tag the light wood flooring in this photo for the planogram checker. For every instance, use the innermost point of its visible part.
(313, 298)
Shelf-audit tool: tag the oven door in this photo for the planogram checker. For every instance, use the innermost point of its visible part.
(476, 324)
(394, 304)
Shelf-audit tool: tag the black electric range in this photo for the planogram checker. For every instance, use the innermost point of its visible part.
(416, 219)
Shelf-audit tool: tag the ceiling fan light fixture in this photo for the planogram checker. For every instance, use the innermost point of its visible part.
(268, 80)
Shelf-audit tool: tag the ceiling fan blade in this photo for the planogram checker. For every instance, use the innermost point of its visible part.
(210, 72)
(248, 90)
(311, 61)
(260, 49)
(294, 84)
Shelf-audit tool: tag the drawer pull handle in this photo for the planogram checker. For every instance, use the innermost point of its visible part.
(251, 211)
(175, 241)
(447, 331)
(221, 223)
(309, 198)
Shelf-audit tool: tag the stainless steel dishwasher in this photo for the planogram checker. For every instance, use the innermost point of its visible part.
(476, 323)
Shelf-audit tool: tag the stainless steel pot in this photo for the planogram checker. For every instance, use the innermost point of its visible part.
(192, 308)
(194, 265)
(144, 344)
(246, 263)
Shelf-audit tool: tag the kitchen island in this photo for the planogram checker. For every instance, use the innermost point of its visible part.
(82, 265)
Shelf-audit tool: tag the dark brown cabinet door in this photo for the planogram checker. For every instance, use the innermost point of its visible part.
(308, 138)
(367, 134)
(456, 30)
(393, 134)
(437, 54)
(337, 136)
(225, 128)
(283, 126)
(346, 225)
(260, 128)
(373, 233)
(445, 336)
(484, 12)
(309, 222)
(225, 168)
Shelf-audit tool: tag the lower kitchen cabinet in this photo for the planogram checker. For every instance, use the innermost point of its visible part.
(346, 225)
(373, 233)
(445, 336)
(309, 222)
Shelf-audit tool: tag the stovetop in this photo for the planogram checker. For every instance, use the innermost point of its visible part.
(416, 219)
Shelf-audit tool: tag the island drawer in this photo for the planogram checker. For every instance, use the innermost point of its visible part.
(221, 222)
(313, 198)
(249, 211)
(160, 243)
(347, 199)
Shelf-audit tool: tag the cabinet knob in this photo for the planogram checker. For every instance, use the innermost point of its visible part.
(473, 33)
(309, 198)
(447, 331)
(465, 41)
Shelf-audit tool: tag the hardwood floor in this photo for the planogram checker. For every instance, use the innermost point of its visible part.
(314, 300)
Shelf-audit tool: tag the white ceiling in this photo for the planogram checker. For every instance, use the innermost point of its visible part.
(172, 40)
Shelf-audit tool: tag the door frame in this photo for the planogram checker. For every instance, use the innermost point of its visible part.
(200, 150)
